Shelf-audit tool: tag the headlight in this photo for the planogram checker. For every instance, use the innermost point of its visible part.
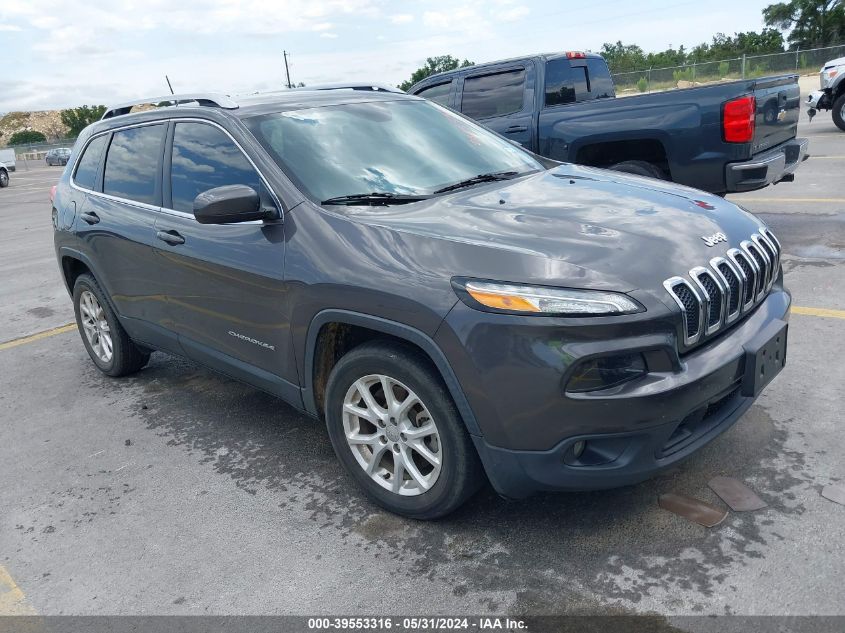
(521, 299)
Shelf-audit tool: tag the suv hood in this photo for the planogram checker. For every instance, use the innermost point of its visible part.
(601, 227)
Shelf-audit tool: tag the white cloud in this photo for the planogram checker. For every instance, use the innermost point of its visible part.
(515, 13)
(322, 26)
(402, 18)
(9, 27)
(330, 36)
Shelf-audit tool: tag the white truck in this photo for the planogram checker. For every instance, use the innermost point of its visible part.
(7, 156)
(831, 96)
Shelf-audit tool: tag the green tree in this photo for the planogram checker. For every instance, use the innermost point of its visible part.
(26, 136)
(623, 58)
(77, 119)
(434, 65)
(812, 23)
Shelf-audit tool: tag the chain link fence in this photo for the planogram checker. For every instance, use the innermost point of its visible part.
(748, 66)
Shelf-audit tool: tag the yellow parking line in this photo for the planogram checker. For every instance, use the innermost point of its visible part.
(37, 337)
(12, 599)
(819, 312)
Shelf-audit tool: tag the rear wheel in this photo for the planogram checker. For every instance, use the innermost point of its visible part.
(839, 112)
(640, 168)
(397, 432)
(104, 338)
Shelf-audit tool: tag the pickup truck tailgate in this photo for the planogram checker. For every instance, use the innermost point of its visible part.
(778, 106)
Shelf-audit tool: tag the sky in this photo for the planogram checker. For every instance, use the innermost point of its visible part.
(64, 53)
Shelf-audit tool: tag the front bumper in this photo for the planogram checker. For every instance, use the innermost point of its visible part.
(819, 100)
(771, 166)
(632, 432)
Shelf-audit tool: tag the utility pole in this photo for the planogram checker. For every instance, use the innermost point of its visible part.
(287, 70)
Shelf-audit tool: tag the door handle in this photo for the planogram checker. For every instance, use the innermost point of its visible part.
(516, 128)
(90, 217)
(171, 237)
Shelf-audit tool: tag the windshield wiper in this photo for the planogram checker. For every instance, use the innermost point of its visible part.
(375, 198)
(491, 177)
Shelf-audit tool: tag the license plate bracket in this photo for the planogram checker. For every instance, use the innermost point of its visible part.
(765, 357)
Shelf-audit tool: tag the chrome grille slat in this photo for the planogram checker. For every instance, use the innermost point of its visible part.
(711, 297)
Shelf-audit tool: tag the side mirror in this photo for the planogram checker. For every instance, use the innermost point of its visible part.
(228, 205)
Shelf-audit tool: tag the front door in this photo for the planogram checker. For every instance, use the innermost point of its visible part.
(225, 292)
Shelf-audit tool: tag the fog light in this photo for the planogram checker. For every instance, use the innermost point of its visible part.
(605, 372)
(578, 448)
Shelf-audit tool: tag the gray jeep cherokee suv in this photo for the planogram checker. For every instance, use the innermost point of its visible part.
(454, 307)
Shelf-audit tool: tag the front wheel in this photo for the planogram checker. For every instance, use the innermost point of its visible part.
(839, 112)
(397, 432)
(4, 178)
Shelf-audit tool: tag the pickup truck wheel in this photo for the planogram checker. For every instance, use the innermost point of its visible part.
(104, 338)
(640, 168)
(839, 112)
(4, 178)
(397, 432)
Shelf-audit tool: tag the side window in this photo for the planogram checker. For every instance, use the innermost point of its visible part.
(86, 168)
(438, 93)
(493, 95)
(204, 157)
(559, 86)
(132, 163)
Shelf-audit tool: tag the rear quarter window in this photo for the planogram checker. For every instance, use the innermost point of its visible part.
(492, 95)
(86, 168)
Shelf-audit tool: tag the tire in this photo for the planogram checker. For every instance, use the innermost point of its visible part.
(640, 168)
(126, 357)
(4, 178)
(838, 112)
(459, 474)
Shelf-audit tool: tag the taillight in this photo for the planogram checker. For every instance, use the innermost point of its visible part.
(738, 119)
(575, 55)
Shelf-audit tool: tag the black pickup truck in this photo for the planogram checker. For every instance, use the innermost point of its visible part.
(724, 137)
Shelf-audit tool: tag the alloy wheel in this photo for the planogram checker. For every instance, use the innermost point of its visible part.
(95, 326)
(392, 435)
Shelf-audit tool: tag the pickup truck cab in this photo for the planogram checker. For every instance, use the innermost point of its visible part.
(727, 137)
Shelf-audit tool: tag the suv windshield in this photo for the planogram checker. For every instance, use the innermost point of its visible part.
(396, 147)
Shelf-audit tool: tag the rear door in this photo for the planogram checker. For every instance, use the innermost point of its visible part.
(225, 291)
(116, 218)
(502, 98)
(778, 104)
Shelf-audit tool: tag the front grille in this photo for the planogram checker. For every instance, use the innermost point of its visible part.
(690, 303)
(727, 288)
(733, 287)
(715, 295)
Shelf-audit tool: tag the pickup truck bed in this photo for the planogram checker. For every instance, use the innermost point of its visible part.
(569, 113)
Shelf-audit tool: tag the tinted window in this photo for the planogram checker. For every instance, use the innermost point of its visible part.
(132, 163)
(204, 157)
(438, 94)
(86, 169)
(493, 95)
(559, 88)
(601, 83)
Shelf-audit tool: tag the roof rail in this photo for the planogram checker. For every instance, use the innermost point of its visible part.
(352, 86)
(209, 99)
